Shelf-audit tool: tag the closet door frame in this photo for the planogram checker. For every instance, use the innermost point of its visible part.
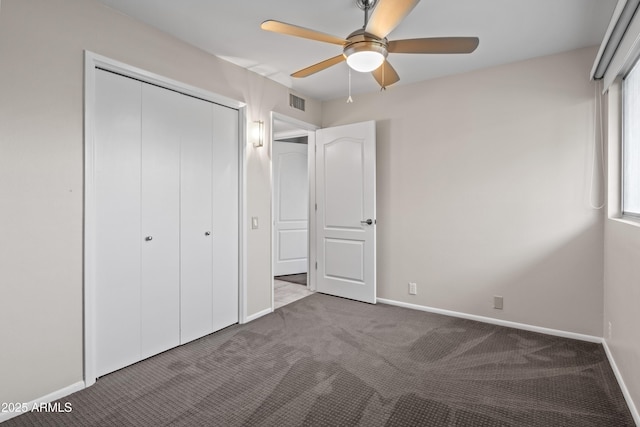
(92, 62)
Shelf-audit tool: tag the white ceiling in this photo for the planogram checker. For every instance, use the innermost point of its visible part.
(509, 30)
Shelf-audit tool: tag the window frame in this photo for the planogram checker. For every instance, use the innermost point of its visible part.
(630, 215)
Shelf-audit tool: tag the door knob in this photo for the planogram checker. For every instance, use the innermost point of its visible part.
(368, 222)
(148, 238)
(207, 233)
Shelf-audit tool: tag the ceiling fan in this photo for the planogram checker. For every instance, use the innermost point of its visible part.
(366, 49)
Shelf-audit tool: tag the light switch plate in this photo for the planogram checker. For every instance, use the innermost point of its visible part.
(413, 288)
(254, 222)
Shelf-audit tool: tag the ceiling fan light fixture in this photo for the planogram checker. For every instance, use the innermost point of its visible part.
(365, 56)
(365, 49)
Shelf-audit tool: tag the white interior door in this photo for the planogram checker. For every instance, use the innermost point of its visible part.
(346, 213)
(291, 201)
(160, 184)
(196, 216)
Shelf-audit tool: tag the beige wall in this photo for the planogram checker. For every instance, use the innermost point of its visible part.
(622, 301)
(621, 266)
(483, 189)
(41, 173)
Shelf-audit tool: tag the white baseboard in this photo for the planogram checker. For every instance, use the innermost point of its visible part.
(58, 394)
(625, 391)
(499, 322)
(258, 315)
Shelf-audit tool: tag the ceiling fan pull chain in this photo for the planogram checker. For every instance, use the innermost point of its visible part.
(349, 99)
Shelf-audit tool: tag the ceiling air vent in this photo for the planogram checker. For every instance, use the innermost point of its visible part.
(296, 102)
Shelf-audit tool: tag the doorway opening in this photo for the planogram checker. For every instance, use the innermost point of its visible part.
(291, 196)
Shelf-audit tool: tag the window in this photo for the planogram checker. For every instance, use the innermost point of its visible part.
(631, 143)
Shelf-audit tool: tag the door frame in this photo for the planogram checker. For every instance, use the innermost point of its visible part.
(92, 61)
(311, 172)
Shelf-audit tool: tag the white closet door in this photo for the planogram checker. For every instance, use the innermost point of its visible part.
(196, 237)
(160, 183)
(225, 217)
(167, 209)
(117, 222)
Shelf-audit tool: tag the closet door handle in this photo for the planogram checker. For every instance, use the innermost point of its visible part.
(148, 238)
(207, 233)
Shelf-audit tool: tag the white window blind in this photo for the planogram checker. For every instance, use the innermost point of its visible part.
(621, 44)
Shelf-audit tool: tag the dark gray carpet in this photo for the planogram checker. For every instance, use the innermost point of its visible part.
(327, 361)
(300, 279)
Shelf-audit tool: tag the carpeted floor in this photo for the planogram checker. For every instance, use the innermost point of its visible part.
(327, 361)
(300, 279)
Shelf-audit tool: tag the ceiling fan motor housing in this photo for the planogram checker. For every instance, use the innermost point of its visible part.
(360, 41)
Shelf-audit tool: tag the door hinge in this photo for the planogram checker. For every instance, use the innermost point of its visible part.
(316, 265)
(316, 206)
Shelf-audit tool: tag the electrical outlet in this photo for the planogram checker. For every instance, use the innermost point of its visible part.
(498, 302)
(413, 288)
(610, 328)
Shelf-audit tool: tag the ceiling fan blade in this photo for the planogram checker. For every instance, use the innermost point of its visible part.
(435, 45)
(387, 15)
(294, 30)
(319, 66)
(385, 75)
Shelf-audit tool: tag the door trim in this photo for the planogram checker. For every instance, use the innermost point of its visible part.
(92, 61)
(311, 171)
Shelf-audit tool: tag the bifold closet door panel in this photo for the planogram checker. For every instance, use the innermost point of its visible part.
(117, 228)
(197, 233)
(225, 217)
(160, 219)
